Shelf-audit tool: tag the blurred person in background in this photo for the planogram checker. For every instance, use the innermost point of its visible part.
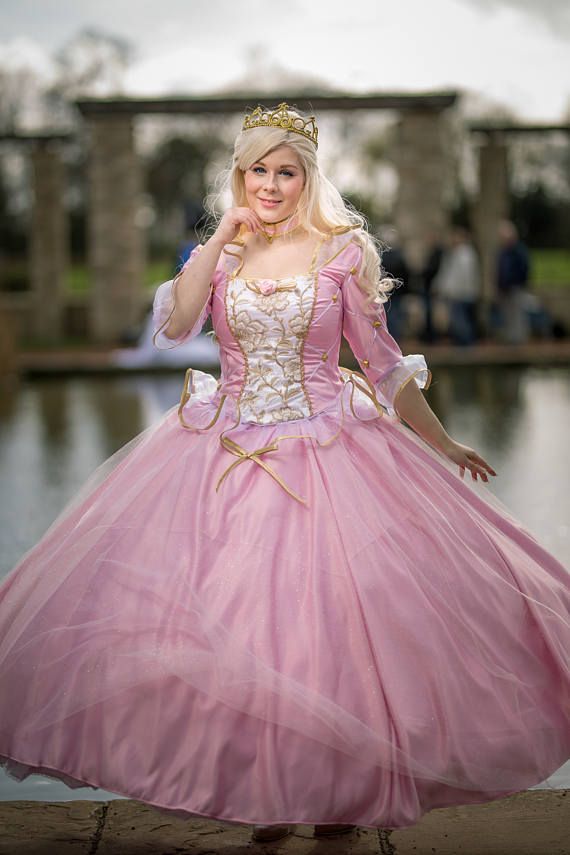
(193, 216)
(427, 275)
(513, 269)
(458, 283)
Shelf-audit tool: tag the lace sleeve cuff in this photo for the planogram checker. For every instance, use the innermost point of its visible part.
(163, 308)
(407, 368)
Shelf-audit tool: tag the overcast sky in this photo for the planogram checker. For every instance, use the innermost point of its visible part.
(515, 52)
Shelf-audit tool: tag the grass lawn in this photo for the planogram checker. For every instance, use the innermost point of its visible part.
(156, 271)
(550, 267)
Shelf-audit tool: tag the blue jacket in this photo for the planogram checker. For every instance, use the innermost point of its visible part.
(512, 267)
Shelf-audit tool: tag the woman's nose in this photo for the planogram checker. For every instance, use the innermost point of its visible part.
(270, 182)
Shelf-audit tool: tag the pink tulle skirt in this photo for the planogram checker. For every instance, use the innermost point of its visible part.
(396, 643)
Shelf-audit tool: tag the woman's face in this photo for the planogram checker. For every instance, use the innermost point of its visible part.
(273, 185)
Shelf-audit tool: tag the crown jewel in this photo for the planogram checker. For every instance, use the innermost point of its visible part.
(280, 118)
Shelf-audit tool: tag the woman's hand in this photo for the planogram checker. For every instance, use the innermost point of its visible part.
(467, 458)
(231, 221)
(411, 405)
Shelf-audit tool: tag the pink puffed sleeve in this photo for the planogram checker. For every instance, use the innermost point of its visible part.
(365, 328)
(163, 307)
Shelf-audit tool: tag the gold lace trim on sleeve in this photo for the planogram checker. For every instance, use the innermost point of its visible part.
(405, 383)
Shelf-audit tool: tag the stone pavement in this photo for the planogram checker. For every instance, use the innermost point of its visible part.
(534, 822)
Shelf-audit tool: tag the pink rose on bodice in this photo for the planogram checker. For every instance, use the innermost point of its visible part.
(267, 286)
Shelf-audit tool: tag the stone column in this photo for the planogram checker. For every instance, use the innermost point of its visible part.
(116, 254)
(49, 243)
(491, 206)
(8, 356)
(421, 155)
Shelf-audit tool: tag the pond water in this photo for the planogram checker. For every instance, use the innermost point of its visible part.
(54, 432)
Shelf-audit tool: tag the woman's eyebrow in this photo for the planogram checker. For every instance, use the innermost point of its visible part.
(283, 165)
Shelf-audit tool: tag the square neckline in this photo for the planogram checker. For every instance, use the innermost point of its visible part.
(273, 278)
(310, 272)
(314, 268)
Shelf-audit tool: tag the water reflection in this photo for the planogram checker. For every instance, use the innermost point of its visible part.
(487, 403)
(55, 432)
(517, 418)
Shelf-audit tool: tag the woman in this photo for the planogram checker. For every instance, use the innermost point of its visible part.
(280, 604)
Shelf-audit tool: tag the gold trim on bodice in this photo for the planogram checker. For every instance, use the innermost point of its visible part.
(354, 378)
(271, 332)
(269, 320)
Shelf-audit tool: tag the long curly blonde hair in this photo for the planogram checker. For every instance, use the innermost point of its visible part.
(321, 209)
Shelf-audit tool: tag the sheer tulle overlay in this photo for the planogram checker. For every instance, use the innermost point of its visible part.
(389, 641)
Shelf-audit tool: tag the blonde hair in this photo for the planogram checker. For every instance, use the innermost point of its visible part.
(321, 209)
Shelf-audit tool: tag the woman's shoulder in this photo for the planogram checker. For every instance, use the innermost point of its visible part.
(342, 247)
(344, 232)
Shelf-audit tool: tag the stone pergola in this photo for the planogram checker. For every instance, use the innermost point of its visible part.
(116, 250)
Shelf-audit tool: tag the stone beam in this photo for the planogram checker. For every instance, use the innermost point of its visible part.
(237, 104)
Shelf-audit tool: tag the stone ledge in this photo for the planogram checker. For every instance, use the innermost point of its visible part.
(99, 360)
(533, 822)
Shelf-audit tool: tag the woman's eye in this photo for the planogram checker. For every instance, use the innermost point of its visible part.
(283, 171)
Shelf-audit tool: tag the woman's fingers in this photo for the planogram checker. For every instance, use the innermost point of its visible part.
(485, 465)
(482, 464)
(474, 472)
(243, 216)
(250, 218)
(477, 466)
(252, 223)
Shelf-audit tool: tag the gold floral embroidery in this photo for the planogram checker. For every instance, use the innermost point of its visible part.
(270, 330)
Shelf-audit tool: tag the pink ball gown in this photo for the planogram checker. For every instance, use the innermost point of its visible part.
(279, 603)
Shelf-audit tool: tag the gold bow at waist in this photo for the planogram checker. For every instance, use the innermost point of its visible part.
(243, 454)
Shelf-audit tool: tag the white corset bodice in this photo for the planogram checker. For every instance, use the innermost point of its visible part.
(269, 320)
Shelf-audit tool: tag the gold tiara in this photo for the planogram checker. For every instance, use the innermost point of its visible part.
(280, 118)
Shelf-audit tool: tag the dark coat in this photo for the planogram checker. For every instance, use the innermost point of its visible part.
(512, 268)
